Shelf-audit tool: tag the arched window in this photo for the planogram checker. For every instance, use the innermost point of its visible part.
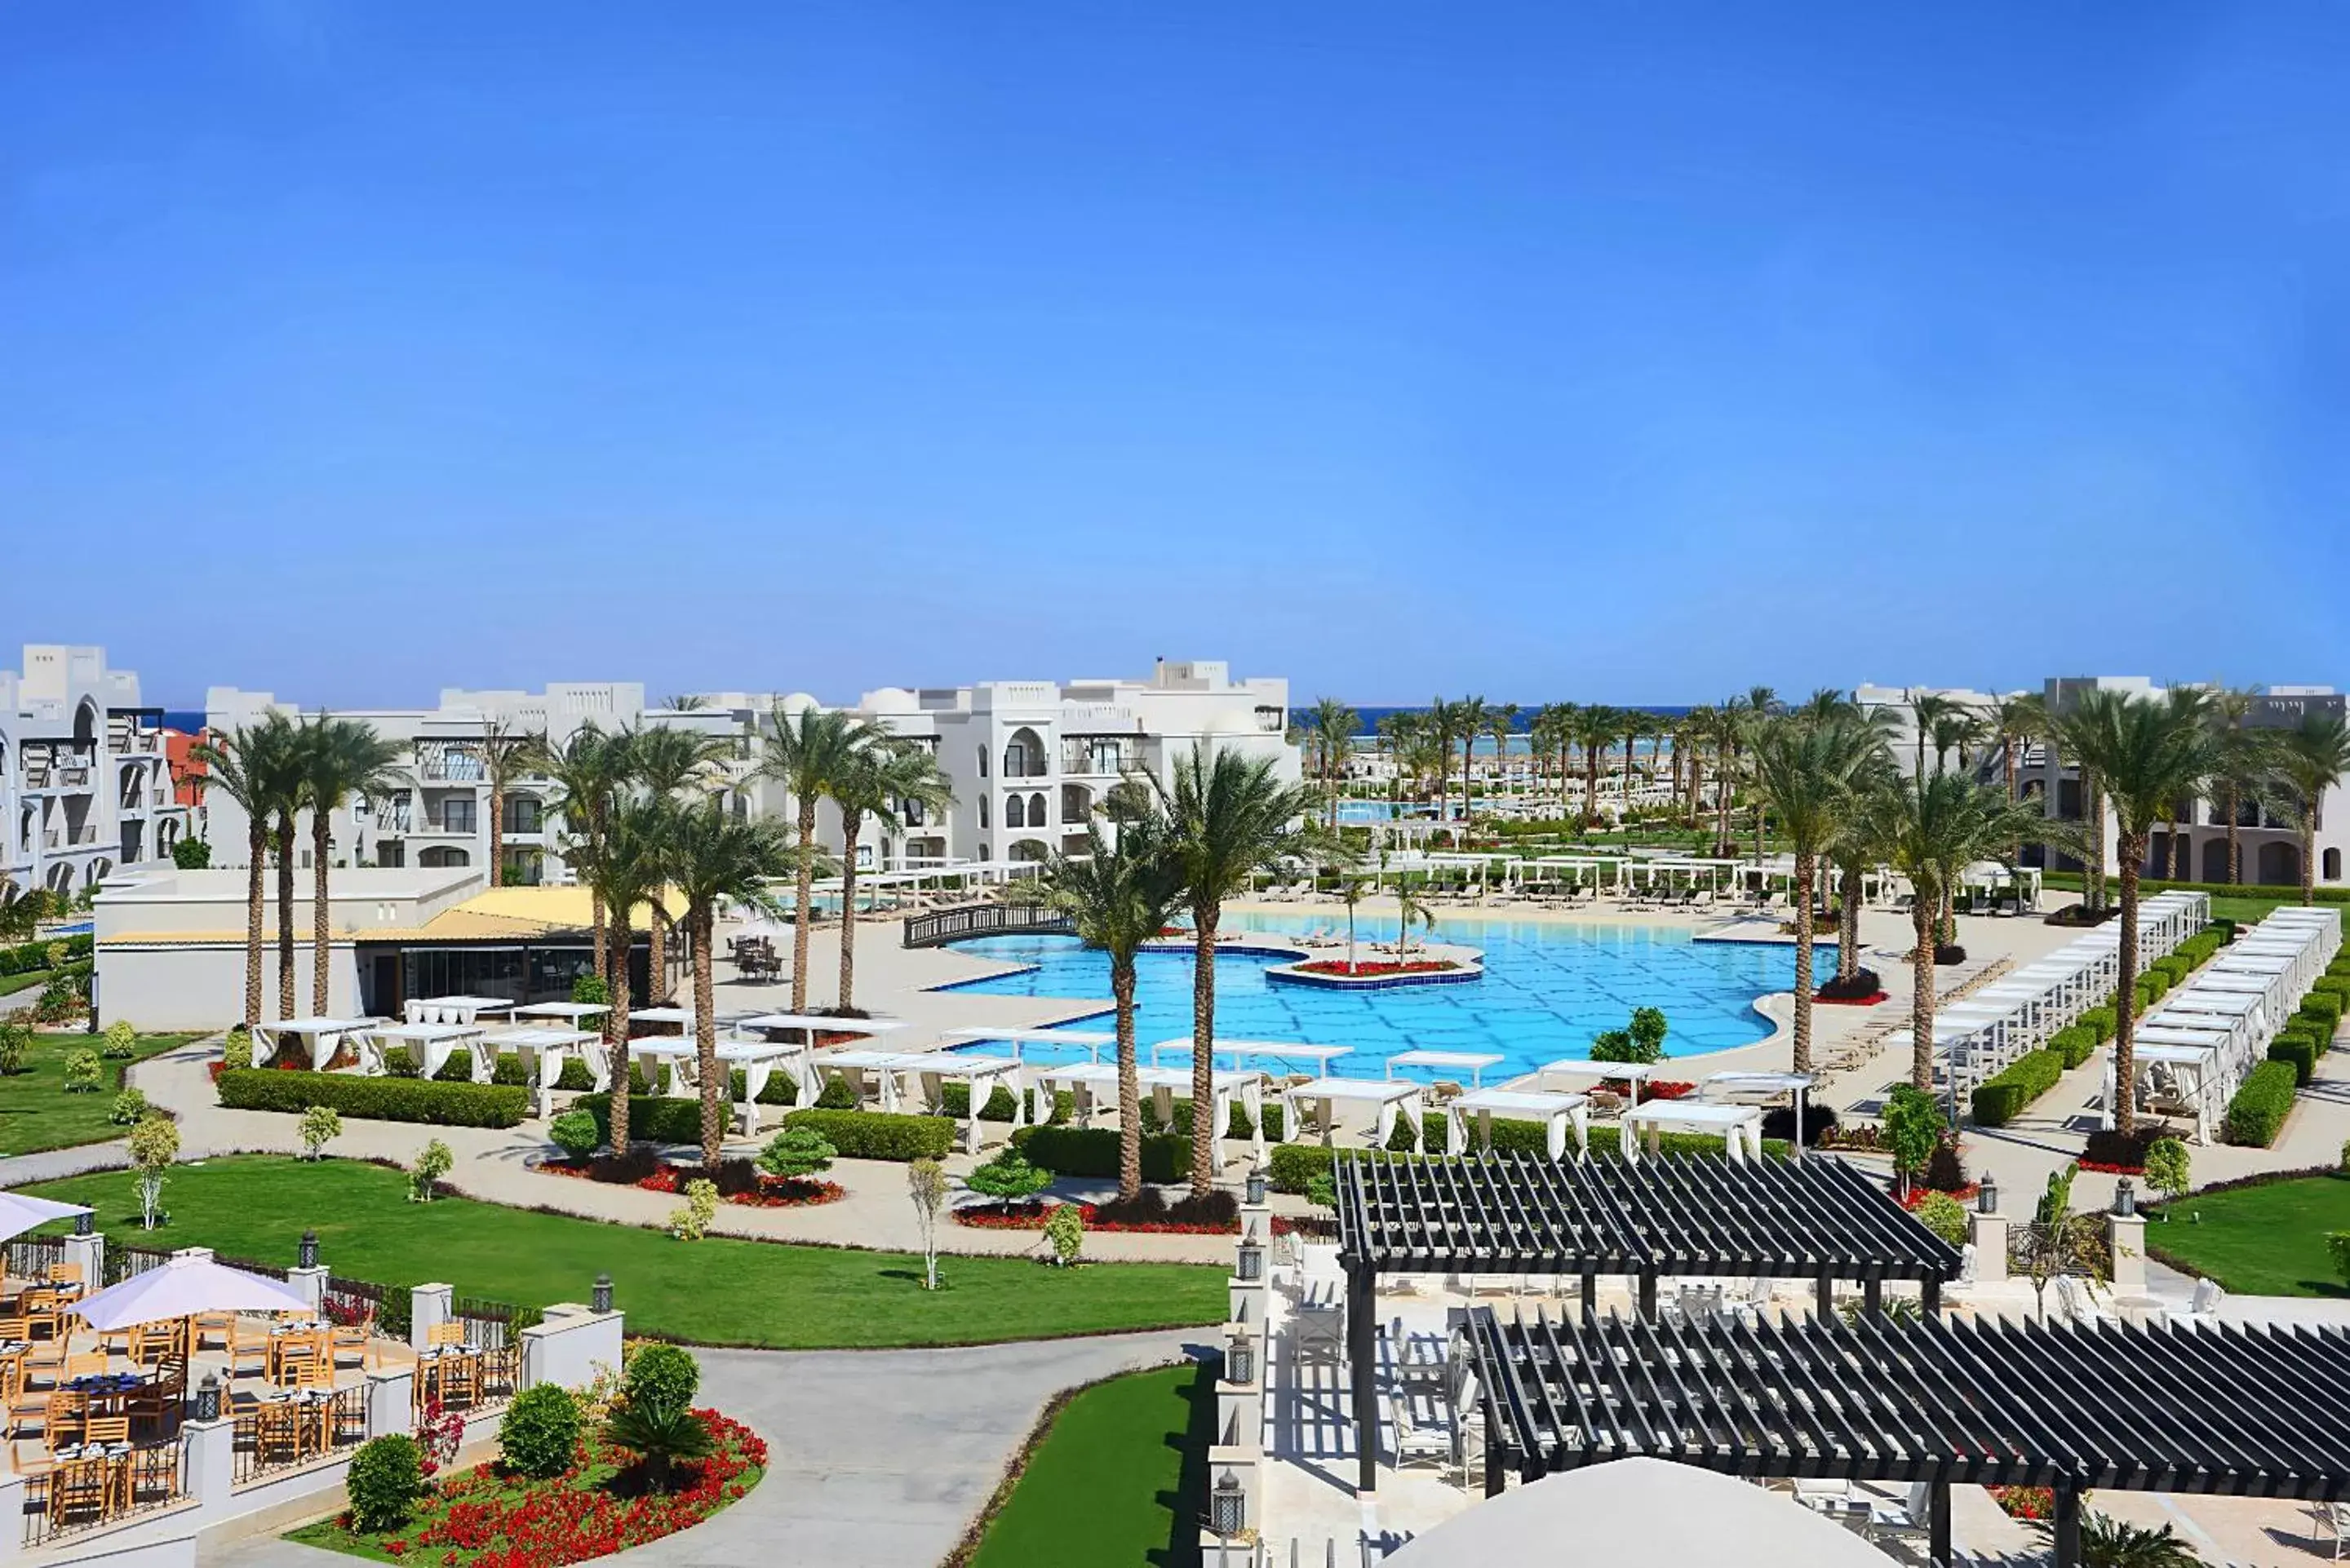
(1015, 810)
(982, 761)
(1023, 754)
(2333, 864)
(1036, 811)
(983, 853)
(982, 811)
(2279, 865)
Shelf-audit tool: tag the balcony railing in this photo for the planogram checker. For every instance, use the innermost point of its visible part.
(1088, 758)
(82, 1495)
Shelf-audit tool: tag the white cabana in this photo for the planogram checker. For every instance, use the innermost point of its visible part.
(21, 1211)
(671, 1057)
(1472, 1062)
(1225, 1086)
(1579, 1070)
(1091, 1041)
(320, 1037)
(1281, 1052)
(1759, 1089)
(185, 1284)
(572, 1012)
(681, 1017)
(1386, 1097)
(429, 1045)
(817, 1021)
(2178, 1079)
(466, 1010)
(1088, 1084)
(977, 1074)
(758, 1060)
(543, 1052)
(1739, 1127)
(1559, 1114)
(855, 1065)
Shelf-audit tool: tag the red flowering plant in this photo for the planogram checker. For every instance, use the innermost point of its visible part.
(440, 1432)
(2029, 1502)
(1370, 969)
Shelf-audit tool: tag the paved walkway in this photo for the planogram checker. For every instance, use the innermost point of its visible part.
(879, 1459)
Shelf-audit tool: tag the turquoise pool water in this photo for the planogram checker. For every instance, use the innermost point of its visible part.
(1548, 988)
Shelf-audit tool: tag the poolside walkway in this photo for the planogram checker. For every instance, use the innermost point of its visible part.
(878, 1459)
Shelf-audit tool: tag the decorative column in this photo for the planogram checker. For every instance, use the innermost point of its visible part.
(428, 1306)
(392, 1401)
(1986, 1232)
(308, 1277)
(2125, 1230)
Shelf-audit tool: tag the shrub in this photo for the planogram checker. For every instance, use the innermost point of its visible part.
(1093, 1152)
(1912, 1120)
(2322, 1008)
(796, 1154)
(1648, 1031)
(2337, 1247)
(1066, 1230)
(375, 1099)
(119, 1043)
(540, 1432)
(2099, 1021)
(192, 853)
(318, 1127)
(15, 1039)
(2297, 1051)
(1406, 1136)
(574, 1132)
(660, 1377)
(691, 1221)
(2260, 1106)
(589, 990)
(836, 1095)
(84, 1073)
(2073, 1043)
(387, 1477)
(1945, 1171)
(878, 1135)
(954, 1100)
(128, 1107)
(433, 1161)
(2110, 1146)
(652, 1119)
(2002, 1097)
(1779, 1121)
(1944, 1216)
(2167, 1167)
(1009, 1178)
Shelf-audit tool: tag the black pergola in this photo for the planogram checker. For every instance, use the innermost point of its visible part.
(1821, 1220)
(2231, 1411)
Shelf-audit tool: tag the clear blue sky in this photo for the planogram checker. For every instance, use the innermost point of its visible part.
(1616, 353)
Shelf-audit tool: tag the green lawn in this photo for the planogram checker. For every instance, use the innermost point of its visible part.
(1120, 1477)
(716, 1292)
(36, 1112)
(2245, 907)
(12, 983)
(2266, 1241)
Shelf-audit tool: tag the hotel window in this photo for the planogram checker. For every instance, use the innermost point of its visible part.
(982, 761)
(1015, 812)
(457, 813)
(1035, 811)
(982, 811)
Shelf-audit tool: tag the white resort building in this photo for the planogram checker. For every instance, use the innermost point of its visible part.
(85, 787)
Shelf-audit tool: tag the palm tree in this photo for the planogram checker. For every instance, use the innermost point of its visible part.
(1336, 725)
(508, 752)
(671, 763)
(1441, 728)
(1932, 826)
(1927, 709)
(2015, 723)
(810, 754)
(627, 866)
(2310, 759)
(2146, 753)
(1228, 816)
(340, 758)
(1119, 895)
(1696, 733)
(714, 857)
(1409, 912)
(2243, 767)
(1809, 772)
(249, 765)
(881, 779)
(588, 769)
(2091, 713)
(1635, 723)
(1553, 732)
(2108, 1543)
(1595, 730)
(1470, 714)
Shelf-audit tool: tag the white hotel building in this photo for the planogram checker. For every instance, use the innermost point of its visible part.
(84, 785)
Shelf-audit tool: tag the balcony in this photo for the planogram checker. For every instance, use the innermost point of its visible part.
(1095, 756)
(451, 761)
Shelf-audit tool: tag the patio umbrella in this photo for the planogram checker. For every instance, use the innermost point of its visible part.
(20, 1212)
(182, 1288)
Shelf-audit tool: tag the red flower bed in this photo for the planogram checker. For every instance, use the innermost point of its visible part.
(1918, 1193)
(1032, 1217)
(2111, 1169)
(1368, 970)
(1848, 1000)
(2024, 1501)
(486, 1519)
(775, 1191)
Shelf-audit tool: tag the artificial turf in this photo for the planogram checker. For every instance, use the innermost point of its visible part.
(714, 1292)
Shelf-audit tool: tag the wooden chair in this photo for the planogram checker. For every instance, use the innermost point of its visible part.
(249, 1349)
(65, 1274)
(13, 1327)
(292, 1356)
(357, 1340)
(215, 1325)
(82, 1489)
(62, 1420)
(87, 1364)
(106, 1429)
(447, 1335)
(44, 1316)
(45, 1363)
(456, 1375)
(277, 1433)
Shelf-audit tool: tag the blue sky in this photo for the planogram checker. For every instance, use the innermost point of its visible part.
(1608, 353)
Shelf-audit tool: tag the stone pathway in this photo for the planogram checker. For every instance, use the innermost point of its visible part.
(878, 1459)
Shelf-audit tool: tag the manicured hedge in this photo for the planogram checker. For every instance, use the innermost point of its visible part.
(2260, 1106)
(879, 1135)
(2075, 1044)
(2323, 1008)
(1093, 1152)
(1292, 1166)
(2099, 1021)
(27, 957)
(2002, 1097)
(2298, 1049)
(375, 1099)
(652, 1119)
(954, 1100)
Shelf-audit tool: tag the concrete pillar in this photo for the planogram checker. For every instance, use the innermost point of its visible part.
(1249, 1300)
(12, 1510)
(569, 1345)
(209, 1461)
(310, 1284)
(1988, 1233)
(89, 1251)
(1256, 1224)
(391, 1401)
(2128, 1234)
(1239, 1404)
(428, 1308)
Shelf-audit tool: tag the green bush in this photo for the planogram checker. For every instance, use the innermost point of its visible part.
(661, 1379)
(836, 1095)
(375, 1099)
(84, 1073)
(2073, 1043)
(954, 1100)
(2337, 1247)
(119, 1043)
(652, 1119)
(540, 1432)
(236, 1050)
(1944, 1216)
(1009, 1177)
(2260, 1106)
(28, 957)
(15, 1039)
(2002, 1097)
(2100, 1023)
(879, 1135)
(589, 990)
(1093, 1152)
(387, 1477)
(2324, 1009)
(129, 1110)
(1291, 1167)
(796, 1154)
(574, 1132)
(2298, 1051)
(1405, 1138)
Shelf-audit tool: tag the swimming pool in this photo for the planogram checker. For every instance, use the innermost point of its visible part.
(1549, 987)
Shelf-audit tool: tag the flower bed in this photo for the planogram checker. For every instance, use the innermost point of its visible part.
(487, 1519)
(1032, 1216)
(1920, 1192)
(773, 1191)
(1363, 971)
(2030, 1502)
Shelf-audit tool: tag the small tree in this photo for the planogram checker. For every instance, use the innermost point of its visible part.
(119, 1042)
(236, 1050)
(191, 855)
(84, 1073)
(1009, 1178)
(589, 990)
(540, 1432)
(796, 1154)
(1648, 1031)
(130, 1109)
(15, 1039)
(320, 1126)
(2337, 1247)
(154, 1144)
(1913, 1130)
(691, 1223)
(2057, 1241)
(1067, 1231)
(433, 1161)
(2167, 1167)
(926, 1184)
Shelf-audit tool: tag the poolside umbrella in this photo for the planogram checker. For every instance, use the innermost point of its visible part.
(182, 1288)
(20, 1212)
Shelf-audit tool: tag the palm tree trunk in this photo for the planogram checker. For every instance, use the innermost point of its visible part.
(1696, 787)
(2133, 852)
(286, 915)
(2235, 845)
(623, 1073)
(1922, 915)
(852, 823)
(657, 923)
(256, 908)
(1590, 787)
(807, 904)
(321, 915)
(1848, 923)
(701, 925)
(596, 925)
(1130, 1089)
(497, 834)
(1205, 915)
(1803, 1058)
(2308, 859)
